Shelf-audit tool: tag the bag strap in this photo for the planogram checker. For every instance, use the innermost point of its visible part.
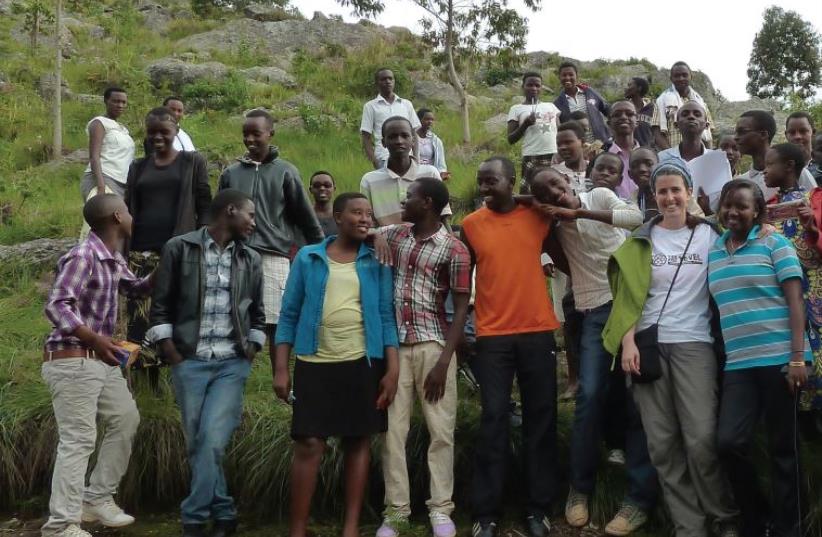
(673, 281)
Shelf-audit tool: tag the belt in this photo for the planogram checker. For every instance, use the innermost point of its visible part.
(71, 352)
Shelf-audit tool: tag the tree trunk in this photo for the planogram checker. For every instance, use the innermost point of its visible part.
(452, 75)
(57, 119)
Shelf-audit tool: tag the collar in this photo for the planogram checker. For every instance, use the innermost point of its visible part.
(437, 237)
(410, 173)
(209, 241)
(380, 98)
(580, 91)
(752, 235)
(101, 251)
(273, 153)
(320, 250)
(618, 150)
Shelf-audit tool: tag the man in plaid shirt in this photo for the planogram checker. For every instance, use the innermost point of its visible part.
(429, 263)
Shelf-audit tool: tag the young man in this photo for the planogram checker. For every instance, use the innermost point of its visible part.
(570, 140)
(429, 263)
(589, 234)
(207, 317)
(577, 97)
(640, 165)
(387, 104)
(282, 205)
(515, 323)
(636, 92)
(322, 188)
(81, 366)
(815, 166)
(182, 142)
(535, 123)
(669, 102)
(691, 122)
(754, 131)
(622, 122)
(799, 130)
(386, 187)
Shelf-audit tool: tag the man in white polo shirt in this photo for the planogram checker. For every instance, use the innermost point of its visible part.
(182, 142)
(375, 112)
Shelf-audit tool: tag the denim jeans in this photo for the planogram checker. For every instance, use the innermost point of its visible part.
(210, 395)
(594, 377)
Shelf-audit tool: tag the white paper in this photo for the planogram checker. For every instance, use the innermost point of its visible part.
(710, 172)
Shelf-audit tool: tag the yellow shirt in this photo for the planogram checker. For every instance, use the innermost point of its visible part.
(341, 331)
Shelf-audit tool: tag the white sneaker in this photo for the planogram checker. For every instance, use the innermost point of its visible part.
(107, 513)
(73, 531)
(616, 456)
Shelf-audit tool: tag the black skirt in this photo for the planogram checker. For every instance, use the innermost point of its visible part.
(337, 399)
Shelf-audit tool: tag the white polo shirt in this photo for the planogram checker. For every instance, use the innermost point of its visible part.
(376, 111)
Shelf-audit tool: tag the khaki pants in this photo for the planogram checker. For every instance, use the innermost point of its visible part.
(440, 418)
(81, 390)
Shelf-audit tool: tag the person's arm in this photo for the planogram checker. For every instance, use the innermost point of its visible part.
(162, 313)
(286, 335)
(96, 133)
(367, 134)
(390, 339)
(256, 311)
(659, 127)
(614, 211)
(281, 376)
(471, 255)
(516, 129)
(202, 190)
(300, 210)
(224, 181)
(415, 124)
(553, 248)
(437, 378)
(134, 287)
(797, 374)
(630, 352)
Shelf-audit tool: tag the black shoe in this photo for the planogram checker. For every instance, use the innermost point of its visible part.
(224, 528)
(194, 530)
(538, 526)
(489, 529)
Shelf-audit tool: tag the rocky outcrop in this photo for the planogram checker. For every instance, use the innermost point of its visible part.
(726, 113)
(177, 73)
(436, 91)
(36, 252)
(75, 25)
(46, 84)
(155, 16)
(269, 13)
(271, 75)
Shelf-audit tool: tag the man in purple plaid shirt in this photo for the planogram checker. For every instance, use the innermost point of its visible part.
(81, 368)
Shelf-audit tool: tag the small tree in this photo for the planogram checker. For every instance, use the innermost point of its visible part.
(37, 13)
(785, 59)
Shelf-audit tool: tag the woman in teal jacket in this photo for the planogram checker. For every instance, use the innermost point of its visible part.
(338, 318)
(679, 409)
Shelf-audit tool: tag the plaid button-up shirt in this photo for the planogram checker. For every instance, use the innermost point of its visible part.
(216, 329)
(425, 271)
(85, 292)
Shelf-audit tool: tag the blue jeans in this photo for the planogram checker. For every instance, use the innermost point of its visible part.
(210, 396)
(594, 377)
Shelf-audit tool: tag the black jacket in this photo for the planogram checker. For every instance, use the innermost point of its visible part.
(179, 290)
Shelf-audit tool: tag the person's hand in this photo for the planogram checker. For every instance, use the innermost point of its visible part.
(630, 357)
(381, 249)
(552, 211)
(170, 353)
(704, 202)
(282, 384)
(806, 218)
(251, 351)
(434, 385)
(376, 163)
(445, 176)
(387, 390)
(797, 377)
(549, 269)
(106, 349)
(530, 120)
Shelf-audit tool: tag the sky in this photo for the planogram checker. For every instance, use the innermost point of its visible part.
(717, 34)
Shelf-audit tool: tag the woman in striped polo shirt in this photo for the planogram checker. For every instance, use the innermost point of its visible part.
(757, 285)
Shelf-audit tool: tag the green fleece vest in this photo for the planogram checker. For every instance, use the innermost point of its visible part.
(629, 275)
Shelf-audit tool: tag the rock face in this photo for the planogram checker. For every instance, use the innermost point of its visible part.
(727, 113)
(155, 16)
(36, 252)
(46, 84)
(268, 13)
(436, 91)
(179, 73)
(271, 75)
(94, 31)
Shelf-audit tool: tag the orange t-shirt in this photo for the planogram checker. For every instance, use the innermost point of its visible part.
(512, 295)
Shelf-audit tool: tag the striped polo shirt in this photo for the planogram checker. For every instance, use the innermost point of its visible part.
(386, 190)
(746, 286)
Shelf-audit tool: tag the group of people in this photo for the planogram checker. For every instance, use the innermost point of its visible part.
(685, 319)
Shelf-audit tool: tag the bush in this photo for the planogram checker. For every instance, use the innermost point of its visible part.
(230, 94)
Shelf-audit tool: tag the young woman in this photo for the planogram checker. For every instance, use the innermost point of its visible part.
(757, 285)
(430, 149)
(168, 194)
(338, 317)
(679, 409)
(110, 148)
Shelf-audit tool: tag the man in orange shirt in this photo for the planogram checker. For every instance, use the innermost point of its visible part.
(515, 323)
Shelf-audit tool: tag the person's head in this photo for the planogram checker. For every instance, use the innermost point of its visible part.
(582, 118)
(495, 178)
(816, 150)
(799, 130)
(258, 128)
(426, 118)
(741, 206)
(640, 164)
(691, 120)
(398, 136)
(783, 165)
(105, 213)
(321, 185)
(681, 76)
(115, 100)
(754, 131)
(353, 215)
(550, 186)
(673, 186)
(161, 128)
(175, 104)
(622, 118)
(637, 87)
(233, 211)
(531, 86)
(570, 137)
(384, 79)
(606, 170)
(567, 75)
(727, 143)
(425, 198)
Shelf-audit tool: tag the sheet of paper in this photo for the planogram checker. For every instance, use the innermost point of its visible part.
(710, 172)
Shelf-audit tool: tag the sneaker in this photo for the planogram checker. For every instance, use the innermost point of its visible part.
(107, 513)
(194, 530)
(616, 456)
(627, 520)
(538, 526)
(484, 530)
(73, 531)
(442, 525)
(392, 524)
(576, 509)
(729, 529)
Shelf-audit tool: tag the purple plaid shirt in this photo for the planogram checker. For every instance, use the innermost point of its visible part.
(85, 292)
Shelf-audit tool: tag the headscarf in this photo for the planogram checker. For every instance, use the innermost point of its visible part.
(672, 166)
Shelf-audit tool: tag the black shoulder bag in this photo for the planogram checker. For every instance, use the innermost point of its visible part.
(647, 340)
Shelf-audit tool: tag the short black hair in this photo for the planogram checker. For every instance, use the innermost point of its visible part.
(395, 118)
(763, 120)
(610, 109)
(530, 74)
(434, 188)
(567, 64)
(342, 200)
(642, 85)
(422, 111)
(112, 89)
(380, 70)
(173, 98)
(800, 114)
(574, 127)
(680, 64)
(161, 113)
(579, 114)
(606, 153)
(792, 152)
(322, 172)
(507, 164)
(260, 112)
(98, 209)
(226, 197)
(759, 198)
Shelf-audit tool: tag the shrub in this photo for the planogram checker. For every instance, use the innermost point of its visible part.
(230, 94)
